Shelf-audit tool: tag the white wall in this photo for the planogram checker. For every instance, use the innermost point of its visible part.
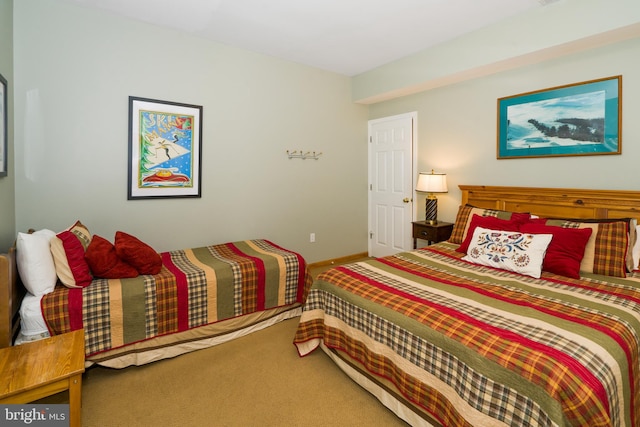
(457, 128)
(75, 69)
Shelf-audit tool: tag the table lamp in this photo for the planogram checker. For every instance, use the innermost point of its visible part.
(432, 183)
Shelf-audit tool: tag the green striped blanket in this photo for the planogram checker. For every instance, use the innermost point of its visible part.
(470, 345)
(196, 287)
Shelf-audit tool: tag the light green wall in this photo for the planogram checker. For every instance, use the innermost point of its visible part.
(7, 203)
(540, 34)
(75, 69)
(457, 127)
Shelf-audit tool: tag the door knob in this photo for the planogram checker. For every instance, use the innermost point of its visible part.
(406, 200)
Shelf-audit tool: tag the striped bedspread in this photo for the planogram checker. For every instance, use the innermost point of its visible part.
(195, 287)
(472, 345)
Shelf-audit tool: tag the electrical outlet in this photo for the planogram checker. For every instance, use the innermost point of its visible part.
(312, 238)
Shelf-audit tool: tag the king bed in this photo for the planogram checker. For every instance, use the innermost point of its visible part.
(529, 315)
(196, 298)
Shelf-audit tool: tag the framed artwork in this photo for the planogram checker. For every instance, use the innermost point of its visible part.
(580, 119)
(165, 146)
(3, 126)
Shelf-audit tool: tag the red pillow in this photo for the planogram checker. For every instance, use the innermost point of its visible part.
(489, 222)
(68, 255)
(137, 254)
(104, 262)
(566, 250)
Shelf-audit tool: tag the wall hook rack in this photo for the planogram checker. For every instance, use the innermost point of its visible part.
(303, 155)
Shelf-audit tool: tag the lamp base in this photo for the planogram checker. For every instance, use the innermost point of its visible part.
(431, 210)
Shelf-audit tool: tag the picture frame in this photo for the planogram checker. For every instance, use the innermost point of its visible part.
(4, 126)
(579, 119)
(165, 149)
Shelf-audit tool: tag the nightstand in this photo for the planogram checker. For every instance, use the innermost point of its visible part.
(38, 369)
(433, 233)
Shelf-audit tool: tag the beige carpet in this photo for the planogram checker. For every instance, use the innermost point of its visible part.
(257, 380)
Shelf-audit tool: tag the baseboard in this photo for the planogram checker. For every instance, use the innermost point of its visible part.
(341, 260)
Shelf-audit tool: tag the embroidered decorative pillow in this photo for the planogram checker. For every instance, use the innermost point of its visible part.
(490, 222)
(566, 250)
(35, 262)
(466, 213)
(512, 251)
(103, 261)
(68, 248)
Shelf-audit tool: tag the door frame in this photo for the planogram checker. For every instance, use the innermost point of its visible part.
(414, 167)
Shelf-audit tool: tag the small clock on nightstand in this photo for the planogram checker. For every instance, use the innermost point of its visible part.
(432, 233)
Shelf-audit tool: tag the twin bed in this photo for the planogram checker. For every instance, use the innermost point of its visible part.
(442, 340)
(201, 297)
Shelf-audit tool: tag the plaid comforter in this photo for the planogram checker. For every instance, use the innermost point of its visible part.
(473, 345)
(196, 287)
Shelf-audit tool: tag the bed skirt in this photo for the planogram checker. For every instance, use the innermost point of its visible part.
(172, 345)
(382, 390)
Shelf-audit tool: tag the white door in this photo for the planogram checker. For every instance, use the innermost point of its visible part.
(391, 186)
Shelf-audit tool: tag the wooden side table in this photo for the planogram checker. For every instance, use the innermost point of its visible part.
(38, 369)
(432, 233)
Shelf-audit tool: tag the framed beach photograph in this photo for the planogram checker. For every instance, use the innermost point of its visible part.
(579, 119)
(4, 123)
(165, 146)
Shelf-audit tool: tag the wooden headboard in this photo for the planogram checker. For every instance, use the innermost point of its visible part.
(11, 294)
(555, 202)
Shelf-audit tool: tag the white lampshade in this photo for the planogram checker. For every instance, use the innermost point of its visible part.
(432, 182)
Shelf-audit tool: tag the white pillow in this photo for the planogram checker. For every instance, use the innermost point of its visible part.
(508, 250)
(636, 249)
(35, 262)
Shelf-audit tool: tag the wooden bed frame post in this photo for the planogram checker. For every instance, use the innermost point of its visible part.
(11, 293)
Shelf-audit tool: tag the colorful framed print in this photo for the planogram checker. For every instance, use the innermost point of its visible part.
(580, 119)
(4, 123)
(165, 147)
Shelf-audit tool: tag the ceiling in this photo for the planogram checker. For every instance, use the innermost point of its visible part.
(348, 37)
